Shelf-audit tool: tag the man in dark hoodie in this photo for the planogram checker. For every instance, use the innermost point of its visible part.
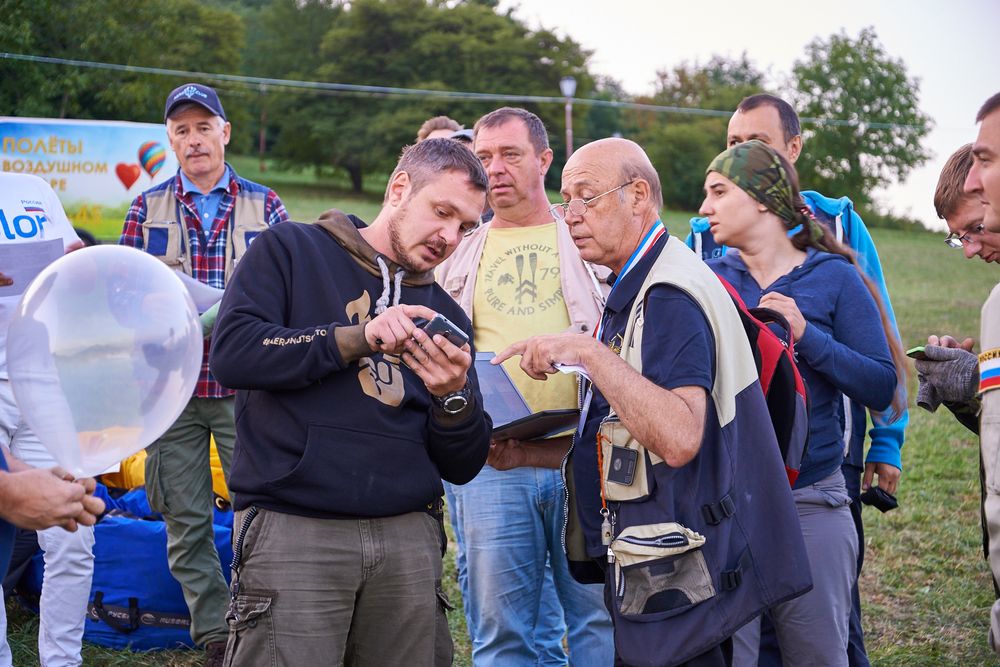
(348, 416)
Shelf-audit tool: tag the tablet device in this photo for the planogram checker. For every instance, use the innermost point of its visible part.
(512, 418)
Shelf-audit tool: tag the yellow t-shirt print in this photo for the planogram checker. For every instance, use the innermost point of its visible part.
(519, 294)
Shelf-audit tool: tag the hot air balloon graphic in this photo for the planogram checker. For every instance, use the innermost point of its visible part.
(152, 156)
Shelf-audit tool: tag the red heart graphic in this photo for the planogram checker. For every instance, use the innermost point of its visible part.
(128, 173)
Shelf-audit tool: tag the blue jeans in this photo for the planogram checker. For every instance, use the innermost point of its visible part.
(508, 526)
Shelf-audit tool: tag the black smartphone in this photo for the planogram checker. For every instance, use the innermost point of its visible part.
(917, 352)
(440, 324)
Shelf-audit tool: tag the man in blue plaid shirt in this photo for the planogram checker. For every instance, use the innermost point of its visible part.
(199, 222)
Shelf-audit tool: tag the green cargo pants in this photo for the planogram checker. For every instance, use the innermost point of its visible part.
(354, 592)
(179, 485)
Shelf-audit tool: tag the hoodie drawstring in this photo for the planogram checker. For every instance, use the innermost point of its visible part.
(397, 282)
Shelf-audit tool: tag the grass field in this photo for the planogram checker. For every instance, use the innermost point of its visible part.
(926, 589)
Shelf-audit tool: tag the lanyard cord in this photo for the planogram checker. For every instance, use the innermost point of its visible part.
(600, 471)
(645, 245)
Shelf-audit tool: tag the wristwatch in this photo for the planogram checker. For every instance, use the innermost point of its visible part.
(454, 402)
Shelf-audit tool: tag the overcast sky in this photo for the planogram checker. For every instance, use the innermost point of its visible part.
(951, 46)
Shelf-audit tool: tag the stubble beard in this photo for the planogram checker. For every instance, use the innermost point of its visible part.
(396, 220)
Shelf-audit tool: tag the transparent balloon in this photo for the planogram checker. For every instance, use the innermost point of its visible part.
(103, 353)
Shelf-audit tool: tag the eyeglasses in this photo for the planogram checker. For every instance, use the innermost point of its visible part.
(579, 206)
(955, 240)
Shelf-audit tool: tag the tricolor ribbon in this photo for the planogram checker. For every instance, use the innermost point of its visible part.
(645, 245)
(989, 370)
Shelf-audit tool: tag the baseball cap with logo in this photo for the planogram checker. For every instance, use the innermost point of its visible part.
(196, 93)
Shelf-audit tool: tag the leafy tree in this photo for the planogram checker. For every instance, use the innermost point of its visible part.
(680, 152)
(417, 44)
(173, 34)
(719, 84)
(856, 80)
(604, 121)
(681, 145)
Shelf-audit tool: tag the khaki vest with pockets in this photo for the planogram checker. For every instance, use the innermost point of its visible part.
(172, 246)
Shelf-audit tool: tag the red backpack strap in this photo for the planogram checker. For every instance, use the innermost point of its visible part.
(768, 316)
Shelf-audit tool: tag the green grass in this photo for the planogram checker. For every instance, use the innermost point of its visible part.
(926, 589)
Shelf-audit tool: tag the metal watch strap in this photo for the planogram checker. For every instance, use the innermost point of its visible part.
(461, 397)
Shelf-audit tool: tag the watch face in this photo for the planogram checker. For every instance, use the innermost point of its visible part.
(455, 403)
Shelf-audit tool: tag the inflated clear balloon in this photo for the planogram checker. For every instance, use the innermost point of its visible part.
(103, 353)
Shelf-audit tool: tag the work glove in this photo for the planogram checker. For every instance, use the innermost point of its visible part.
(951, 374)
(927, 395)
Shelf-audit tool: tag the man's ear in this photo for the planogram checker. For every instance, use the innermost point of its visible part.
(794, 148)
(641, 194)
(546, 161)
(226, 132)
(398, 188)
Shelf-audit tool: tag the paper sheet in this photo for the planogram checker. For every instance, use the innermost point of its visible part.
(21, 262)
(568, 368)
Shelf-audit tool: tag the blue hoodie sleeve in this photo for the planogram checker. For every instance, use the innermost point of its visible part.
(251, 349)
(856, 357)
(887, 437)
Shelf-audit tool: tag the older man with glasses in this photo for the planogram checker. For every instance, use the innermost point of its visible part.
(674, 440)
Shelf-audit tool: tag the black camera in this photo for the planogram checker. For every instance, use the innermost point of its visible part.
(879, 498)
(622, 465)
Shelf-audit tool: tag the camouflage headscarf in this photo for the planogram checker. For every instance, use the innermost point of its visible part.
(755, 168)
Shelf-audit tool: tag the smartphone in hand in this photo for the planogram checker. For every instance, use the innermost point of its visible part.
(442, 325)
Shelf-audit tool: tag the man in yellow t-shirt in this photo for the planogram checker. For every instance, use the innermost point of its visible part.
(517, 292)
(520, 275)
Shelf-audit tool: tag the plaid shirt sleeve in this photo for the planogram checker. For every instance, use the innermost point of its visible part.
(274, 209)
(132, 230)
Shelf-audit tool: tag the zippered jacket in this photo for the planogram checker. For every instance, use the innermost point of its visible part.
(840, 216)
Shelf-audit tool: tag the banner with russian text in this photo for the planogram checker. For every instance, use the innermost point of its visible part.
(96, 167)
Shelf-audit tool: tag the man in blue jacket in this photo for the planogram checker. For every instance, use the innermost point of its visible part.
(347, 418)
(773, 121)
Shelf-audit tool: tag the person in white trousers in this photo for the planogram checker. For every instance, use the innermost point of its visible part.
(30, 213)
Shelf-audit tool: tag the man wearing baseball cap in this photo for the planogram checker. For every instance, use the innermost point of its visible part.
(200, 223)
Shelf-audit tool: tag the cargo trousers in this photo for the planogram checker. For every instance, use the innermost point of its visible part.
(179, 485)
(337, 591)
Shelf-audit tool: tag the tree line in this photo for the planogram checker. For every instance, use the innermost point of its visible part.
(465, 45)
